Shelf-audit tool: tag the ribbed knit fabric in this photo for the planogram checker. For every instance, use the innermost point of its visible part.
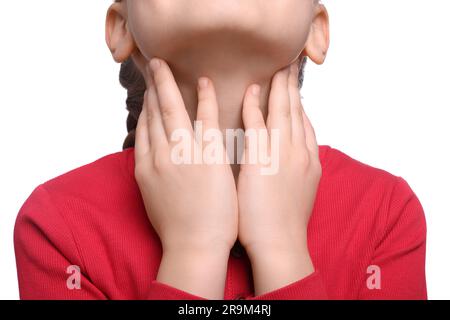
(93, 217)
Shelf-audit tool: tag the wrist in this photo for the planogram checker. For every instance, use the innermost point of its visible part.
(198, 246)
(197, 255)
(277, 270)
(276, 244)
(277, 265)
(201, 272)
(291, 253)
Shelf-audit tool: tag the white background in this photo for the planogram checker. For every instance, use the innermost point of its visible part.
(382, 97)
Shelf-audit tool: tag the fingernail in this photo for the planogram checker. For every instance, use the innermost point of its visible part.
(203, 83)
(256, 89)
(155, 64)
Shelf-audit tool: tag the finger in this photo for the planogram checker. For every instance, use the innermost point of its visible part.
(208, 108)
(279, 105)
(311, 140)
(298, 130)
(172, 108)
(251, 112)
(157, 134)
(253, 119)
(142, 141)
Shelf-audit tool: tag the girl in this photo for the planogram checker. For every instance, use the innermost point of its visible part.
(138, 225)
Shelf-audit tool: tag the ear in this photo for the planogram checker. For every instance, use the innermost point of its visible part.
(119, 39)
(319, 36)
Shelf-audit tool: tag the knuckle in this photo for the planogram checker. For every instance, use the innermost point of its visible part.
(304, 159)
(205, 116)
(150, 114)
(285, 112)
(204, 96)
(256, 124)
(140, 171)
(160, 162)
(168, 112)
(159, 79)
(208, 123)
(318, 169)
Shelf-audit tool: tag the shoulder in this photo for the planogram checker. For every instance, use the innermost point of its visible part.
(387, 195)
(340, 168)
(96, 175)
(344, 167)
(86, 188)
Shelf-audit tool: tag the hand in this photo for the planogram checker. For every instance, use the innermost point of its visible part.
(192, 207)
(274, 210)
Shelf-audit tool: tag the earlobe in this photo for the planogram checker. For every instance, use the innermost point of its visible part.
(119, 39)
(319, 37)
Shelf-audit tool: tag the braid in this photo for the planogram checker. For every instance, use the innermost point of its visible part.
(133, 81)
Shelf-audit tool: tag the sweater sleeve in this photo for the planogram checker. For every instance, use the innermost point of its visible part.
(49, 265)
(308, 288)
(399, 258)
(311, 287)
(162, 291)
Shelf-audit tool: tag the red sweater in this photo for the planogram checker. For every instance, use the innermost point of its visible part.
(93, 217)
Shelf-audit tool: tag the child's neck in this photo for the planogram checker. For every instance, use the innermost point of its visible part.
(231, 75)
(232, 72)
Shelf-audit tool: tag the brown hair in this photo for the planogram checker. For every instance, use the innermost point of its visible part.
(133, 81)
